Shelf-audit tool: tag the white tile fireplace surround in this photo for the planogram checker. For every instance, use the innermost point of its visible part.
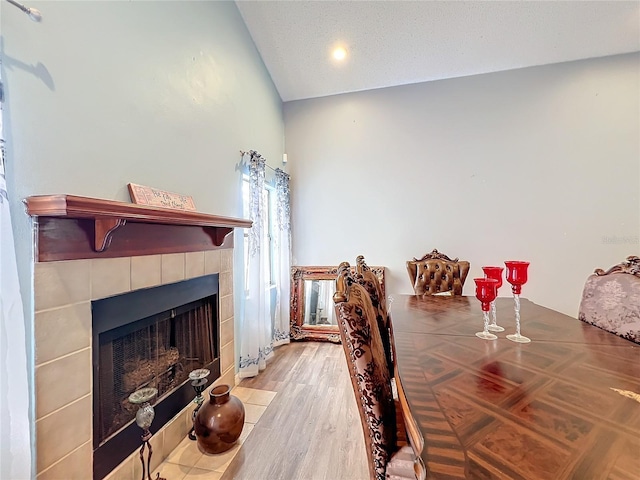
(63, 371)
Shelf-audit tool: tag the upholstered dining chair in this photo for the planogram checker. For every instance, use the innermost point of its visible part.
(375, 289)
(611, 299)
(388, 458)
(436, 273)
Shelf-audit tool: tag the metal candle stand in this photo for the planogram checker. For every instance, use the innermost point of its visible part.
(199, 383)
(144, 418)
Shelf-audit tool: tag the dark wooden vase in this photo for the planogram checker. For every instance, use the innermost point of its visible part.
(219, 421)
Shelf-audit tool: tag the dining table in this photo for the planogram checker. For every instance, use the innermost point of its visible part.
(564, 406)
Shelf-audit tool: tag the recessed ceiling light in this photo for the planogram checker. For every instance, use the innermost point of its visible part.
(339, 53)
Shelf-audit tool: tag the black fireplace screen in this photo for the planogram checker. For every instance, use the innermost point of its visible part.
(159, 353)
(149, 338)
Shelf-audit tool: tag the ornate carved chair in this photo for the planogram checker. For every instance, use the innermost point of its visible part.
(375, 289)
(371, 381)
(611, 299)
(437, 273)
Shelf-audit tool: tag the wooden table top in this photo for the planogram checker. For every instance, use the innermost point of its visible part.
(497, 409)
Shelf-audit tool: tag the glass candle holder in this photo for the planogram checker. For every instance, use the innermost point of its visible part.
(199, 382)
(486, 293)
(144, 419)
(496, 274)
(517, 275)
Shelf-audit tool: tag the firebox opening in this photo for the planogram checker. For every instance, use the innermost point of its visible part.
(149, 338)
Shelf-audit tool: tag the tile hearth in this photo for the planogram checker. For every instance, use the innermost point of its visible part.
(186, 462)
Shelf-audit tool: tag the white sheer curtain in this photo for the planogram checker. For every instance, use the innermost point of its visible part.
(15, 438)
(282, 259)
(262, 327)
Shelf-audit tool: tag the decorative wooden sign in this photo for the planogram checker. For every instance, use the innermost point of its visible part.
(154, 197)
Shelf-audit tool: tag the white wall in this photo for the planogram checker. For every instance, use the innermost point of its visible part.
(101, 94)
(539, 164)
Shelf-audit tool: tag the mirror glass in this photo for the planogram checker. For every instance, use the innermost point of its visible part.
(318, 302)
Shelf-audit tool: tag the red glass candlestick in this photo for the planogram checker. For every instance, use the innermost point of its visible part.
(517, 276)
(496, 274)
(486, 293)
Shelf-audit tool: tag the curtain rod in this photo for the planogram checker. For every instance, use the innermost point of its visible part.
(265, 163)
(34, 13)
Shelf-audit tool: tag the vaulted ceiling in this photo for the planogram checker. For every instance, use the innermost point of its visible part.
(392, 43)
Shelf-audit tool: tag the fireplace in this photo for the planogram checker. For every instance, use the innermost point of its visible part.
(149, 338)
(87, 250)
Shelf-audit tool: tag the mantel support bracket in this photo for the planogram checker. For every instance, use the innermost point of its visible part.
(218, 234)
(104, 228)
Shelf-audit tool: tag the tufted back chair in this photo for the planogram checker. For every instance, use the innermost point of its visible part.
(611, 299)
(437, 273)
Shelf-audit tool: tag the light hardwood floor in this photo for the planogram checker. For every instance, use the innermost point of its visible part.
(311, 430)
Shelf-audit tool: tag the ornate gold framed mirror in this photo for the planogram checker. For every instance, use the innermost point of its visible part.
(313, 315)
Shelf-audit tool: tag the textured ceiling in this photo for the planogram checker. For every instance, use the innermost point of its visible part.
(396, 42)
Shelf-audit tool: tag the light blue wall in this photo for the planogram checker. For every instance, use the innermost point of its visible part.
(101, 94)
(538, 164)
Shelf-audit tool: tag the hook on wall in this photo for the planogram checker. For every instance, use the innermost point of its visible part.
(34, 13)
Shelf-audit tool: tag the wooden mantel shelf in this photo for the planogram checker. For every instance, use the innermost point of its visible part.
(70, 227)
